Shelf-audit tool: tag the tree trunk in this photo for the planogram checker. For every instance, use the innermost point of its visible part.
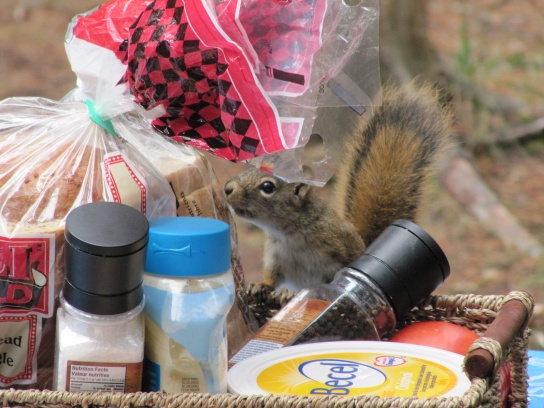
(407, 53)
(406, 50)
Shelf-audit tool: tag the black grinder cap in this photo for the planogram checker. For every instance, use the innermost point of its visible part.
(406, 263)
(104, 259)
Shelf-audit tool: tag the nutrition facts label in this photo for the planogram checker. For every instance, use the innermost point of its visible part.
(100, 377)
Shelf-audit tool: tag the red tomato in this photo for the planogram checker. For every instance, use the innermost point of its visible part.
(442, 335)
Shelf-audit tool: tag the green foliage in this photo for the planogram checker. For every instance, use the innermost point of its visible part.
(517, 60)
(463, 59)
(535, 145)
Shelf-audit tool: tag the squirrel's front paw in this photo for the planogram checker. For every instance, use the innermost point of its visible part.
(262, 293)
(258, 290)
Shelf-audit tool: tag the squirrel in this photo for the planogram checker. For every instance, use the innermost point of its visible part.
(388, 162)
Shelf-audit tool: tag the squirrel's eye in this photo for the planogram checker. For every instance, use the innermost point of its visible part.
(267, 187)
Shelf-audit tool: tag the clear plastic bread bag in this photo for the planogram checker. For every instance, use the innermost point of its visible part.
(245, 79)
(53, 158)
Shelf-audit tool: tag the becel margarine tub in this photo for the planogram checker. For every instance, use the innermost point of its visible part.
(352, 368)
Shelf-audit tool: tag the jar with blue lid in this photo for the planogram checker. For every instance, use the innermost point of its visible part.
(189, 290)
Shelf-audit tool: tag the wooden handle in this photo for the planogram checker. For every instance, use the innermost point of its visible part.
(511, 318)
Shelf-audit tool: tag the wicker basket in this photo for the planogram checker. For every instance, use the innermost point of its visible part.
(476, 312)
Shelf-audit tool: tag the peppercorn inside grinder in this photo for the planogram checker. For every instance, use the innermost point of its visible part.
(365, 299)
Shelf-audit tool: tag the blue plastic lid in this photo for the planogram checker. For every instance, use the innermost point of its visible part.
(188, 247)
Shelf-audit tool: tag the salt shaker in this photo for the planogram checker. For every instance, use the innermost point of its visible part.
(100, 327)
(365, 299)
(189, 290)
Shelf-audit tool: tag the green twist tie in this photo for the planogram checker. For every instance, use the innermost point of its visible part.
(95, 117)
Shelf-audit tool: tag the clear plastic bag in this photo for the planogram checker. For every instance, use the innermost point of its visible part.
(242, 79)
(53, 158)
(300, 45)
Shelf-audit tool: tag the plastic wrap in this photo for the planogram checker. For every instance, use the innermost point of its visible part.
(243, 79)
(53, 158)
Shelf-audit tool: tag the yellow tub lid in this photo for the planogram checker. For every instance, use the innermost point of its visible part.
(352, 368)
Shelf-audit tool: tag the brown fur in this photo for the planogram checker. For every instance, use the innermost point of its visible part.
(387, 169)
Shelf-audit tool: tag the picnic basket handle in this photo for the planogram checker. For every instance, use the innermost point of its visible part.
(485, 355)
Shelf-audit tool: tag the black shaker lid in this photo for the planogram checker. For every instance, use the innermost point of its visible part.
(104, 258)
(406, 263)
(106, 229)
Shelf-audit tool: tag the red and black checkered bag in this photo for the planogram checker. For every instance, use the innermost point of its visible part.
(284, 34)
(237, 78)
(178, 58)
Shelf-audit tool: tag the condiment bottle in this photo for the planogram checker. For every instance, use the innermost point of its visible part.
(365, 299)
(100, 327)
(189, 290)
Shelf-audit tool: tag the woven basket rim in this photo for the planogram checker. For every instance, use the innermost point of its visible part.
(472, 305)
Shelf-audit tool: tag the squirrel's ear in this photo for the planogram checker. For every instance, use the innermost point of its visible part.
(302, 190)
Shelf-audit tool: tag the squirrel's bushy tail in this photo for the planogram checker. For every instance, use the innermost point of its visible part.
(391, 158)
